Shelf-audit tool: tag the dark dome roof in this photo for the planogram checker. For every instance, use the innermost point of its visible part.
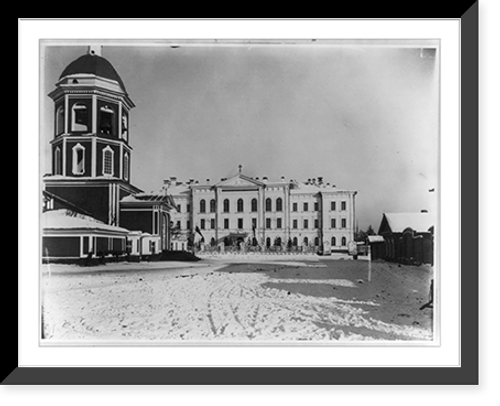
(93, 64)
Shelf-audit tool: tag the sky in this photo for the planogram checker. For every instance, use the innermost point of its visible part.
(365, 116)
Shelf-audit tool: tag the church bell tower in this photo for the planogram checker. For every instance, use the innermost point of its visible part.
(90, 149)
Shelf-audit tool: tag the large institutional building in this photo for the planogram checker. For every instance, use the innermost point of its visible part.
(92, 209)
(253, 211)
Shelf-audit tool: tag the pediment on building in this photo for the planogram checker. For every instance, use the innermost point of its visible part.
(239, 181)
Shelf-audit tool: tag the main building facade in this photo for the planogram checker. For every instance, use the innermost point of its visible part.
(253, 211)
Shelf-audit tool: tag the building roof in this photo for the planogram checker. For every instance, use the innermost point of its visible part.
(398, 222)
(93, 64)
(150, 198)
(64, 219)
(375, 238)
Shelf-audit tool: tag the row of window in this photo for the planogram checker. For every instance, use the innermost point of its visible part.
(279, 223)
(80, 120)
(78, 161)
(240, 206)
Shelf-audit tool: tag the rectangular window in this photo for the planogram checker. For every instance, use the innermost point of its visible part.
(344, 223)
(295, 224)
(226, 223)
(240, 223)
(179, 225)
(188, 208)
(333, 223)
(202, 224)
(343, 205)
(188, 225)
(295, 207)
(268, 223)
(316, 223)
(306, 223)
(316, 206)
(333, 206)
(212, 224)
(278, 223)
(306, 206)
(254, 223)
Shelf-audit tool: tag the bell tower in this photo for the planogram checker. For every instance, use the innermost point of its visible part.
(91, 152)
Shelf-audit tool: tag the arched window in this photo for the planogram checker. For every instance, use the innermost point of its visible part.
(225, 205)
(202, 206)
(268, 242)
(254, 205)
(107, 161)
(279, 204)
(79, 117)
(239, 205)
(57, 161)
(212, 242)
(106, 120)
(295, 241)
(277, 241)
(60, 120)
(268, 204)
(306, 241)
(316, 241)
(344, 241)
(78, 160)
(125, 166)
(212, 206)
(334, 242)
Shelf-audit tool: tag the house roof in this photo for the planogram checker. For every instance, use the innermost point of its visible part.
(398, 222)
(64, 219)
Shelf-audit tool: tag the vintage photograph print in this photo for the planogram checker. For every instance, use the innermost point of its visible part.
(239, 192)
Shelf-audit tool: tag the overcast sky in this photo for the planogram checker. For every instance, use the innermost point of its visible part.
(364, 117)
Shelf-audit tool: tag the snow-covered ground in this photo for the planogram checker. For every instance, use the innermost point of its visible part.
(210, 301)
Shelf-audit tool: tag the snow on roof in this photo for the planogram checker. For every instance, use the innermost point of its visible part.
(420, 222)
(375, 238)
(66, 219)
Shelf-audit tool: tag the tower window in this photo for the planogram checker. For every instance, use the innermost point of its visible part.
(78, 160)
(106, 120)
(57, 161)
(107, 161)
(125, 166)
(202, 206)
(79, 117)
(124, 127)
(60, 120)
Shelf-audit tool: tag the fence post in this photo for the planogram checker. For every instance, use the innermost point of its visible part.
(369, 263)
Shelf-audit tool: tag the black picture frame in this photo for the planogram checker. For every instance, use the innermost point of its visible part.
(466, 374)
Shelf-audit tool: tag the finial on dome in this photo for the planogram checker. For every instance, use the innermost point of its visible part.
(95, 50)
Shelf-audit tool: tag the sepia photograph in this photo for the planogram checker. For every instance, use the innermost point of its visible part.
(239, 192)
